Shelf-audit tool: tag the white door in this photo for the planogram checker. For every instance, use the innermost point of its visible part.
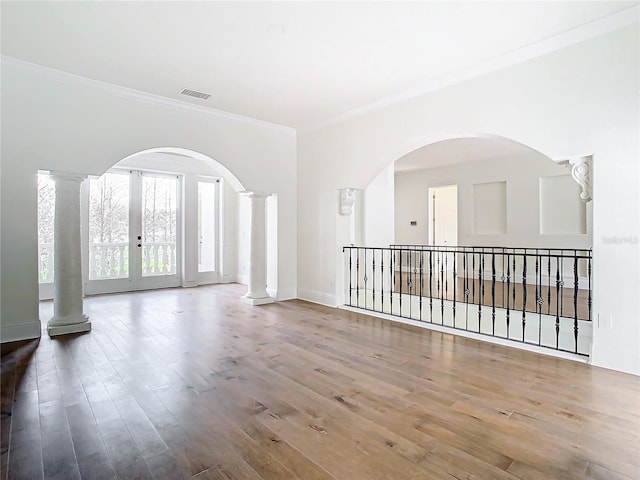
(133, 234)
(208, 229)
(443, 216)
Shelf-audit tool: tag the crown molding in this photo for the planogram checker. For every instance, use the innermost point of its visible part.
(140, 96)
(596, 28)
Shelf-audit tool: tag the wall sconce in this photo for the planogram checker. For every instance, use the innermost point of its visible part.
(347, 199)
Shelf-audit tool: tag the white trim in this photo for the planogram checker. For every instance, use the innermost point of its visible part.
(140, 96)
(229, 278)
(241, 279)
(596, 28)
(472, 335)
(256, 301)
(21, 331)
(287, 294)
(55, 330)
(315, 296)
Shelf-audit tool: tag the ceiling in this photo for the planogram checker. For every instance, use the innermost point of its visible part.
(296, 64)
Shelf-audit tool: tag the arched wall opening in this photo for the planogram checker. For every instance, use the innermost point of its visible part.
(508, 194)
(516, 227)
(227, 215)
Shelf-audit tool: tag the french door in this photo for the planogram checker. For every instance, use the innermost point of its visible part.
(132, 232)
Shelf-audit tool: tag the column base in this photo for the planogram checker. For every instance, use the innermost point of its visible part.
(256, 301)
(55, 329)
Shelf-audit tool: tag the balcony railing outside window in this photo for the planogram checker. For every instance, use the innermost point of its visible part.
(111, 260)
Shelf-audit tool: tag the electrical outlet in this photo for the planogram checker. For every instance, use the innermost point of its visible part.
(605, 322)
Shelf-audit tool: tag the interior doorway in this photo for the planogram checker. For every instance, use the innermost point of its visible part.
(443, 216)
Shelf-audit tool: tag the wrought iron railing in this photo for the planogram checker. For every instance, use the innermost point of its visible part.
(530, 295)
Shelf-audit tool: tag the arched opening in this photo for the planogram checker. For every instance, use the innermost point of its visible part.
(477, 222)
(508, 194)
(161, 217)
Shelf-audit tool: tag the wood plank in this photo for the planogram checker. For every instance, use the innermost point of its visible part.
(190, 383)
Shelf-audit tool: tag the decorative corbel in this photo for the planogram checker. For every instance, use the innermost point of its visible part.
(581, 173)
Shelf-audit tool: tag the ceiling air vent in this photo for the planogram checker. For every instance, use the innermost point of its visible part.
(193, 93)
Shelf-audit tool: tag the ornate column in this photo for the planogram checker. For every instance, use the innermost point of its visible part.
(68, 316)
(257, 292)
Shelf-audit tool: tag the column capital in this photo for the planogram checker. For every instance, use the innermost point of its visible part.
(255, 194)
(68, 176)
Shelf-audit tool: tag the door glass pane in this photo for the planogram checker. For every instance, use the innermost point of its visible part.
(159, 226)
(46, 212)
(109, 226)
(206, 227)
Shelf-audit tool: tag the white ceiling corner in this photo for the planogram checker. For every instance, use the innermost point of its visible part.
(292, 64)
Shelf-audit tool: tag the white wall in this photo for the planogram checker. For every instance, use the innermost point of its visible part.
(521, 175)
(577, 101)
(378, 201)
(54, 121)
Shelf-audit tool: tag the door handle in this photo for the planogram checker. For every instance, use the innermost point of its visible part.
(139, 237)
(139, 244)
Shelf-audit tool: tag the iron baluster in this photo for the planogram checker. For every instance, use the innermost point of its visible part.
(392, 278)
(473, 272)
(401, 285)
(524, 295)
(441, 278)
(465, 282)
(357, 277)
(455, 287)
(481, 287)
(350, 277)
(410, 281)
(557, 302)
(421, 281)
(382, 280)
(549, 283)
(507, 295)
(493, 292)
(365, 278)
(539, 299)
(431, 285)
(562, 284)
(373, 280)
(575, 301)
(514, 285)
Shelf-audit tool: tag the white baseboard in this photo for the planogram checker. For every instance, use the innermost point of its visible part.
(21, 331)
(287, 293)
(241, 279)
(317, 297)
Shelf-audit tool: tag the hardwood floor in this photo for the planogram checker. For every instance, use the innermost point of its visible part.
(190, 383)
(504, 294)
